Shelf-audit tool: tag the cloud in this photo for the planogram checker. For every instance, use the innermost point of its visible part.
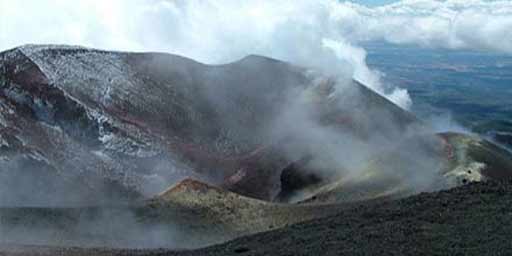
(320, 34)
(452, 24)
(214, 31)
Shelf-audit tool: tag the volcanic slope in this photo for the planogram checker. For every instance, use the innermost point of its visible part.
(464, 158)
(470, 220)
(82, 126)
(473, 219)
(115, 125)
(91, 138)
(191, 214)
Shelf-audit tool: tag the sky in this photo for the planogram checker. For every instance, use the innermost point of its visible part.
(323, 34)
(374, 2)
(152, 24)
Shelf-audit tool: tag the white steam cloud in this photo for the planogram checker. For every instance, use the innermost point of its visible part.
(320, 34)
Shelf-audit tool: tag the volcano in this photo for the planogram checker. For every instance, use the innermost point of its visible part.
(226, 150)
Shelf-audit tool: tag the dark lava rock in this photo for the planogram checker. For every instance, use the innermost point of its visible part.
(295, 177)
(470, 220)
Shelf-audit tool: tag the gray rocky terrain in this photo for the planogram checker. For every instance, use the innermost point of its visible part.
(136, 151)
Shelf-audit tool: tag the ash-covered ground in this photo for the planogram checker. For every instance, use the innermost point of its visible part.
(474, 219)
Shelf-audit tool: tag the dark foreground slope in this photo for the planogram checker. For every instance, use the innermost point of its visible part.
(189, 215)
(472, 220)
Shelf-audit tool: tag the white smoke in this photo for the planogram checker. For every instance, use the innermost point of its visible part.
(321, 34)
(215, 31)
